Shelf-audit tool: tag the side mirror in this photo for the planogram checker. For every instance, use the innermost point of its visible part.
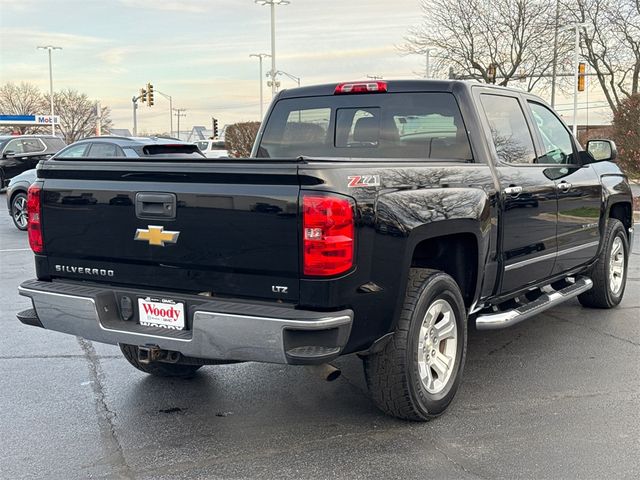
(8, 154)
(602, 150)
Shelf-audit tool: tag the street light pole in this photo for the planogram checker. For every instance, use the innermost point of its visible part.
(170, 109)
(575, 78)
(272, 4)
(427, 52)
(50, 48)
(260, 56)
(554, 67)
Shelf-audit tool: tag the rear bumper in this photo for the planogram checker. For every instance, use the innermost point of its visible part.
(218, 329)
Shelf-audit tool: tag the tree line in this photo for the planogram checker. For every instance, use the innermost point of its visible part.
(78, 114)
(500, 41)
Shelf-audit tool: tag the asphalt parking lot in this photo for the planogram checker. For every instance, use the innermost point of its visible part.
(555, 397)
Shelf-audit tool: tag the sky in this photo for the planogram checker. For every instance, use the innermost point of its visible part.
(198, 51)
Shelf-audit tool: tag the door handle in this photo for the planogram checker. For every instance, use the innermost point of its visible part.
(514, 191)
(152, 205)
(564, 186)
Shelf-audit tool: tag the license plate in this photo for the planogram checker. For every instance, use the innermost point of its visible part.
(162, 313)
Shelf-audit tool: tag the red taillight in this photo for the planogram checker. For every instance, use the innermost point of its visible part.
(34, 211)
(360, 87)
(328, 234)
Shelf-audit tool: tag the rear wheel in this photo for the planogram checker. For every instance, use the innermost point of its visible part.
(19, 211)
(158, 369)
(417, 374)
(609, 274)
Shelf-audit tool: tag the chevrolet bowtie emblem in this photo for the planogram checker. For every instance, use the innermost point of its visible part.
(156, 235)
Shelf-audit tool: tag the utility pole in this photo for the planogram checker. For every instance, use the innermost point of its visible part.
(261, 80)
(50, 48)
(179, 113)
(134, 101)
(98, 118)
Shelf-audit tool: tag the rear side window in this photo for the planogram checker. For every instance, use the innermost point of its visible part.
(105, 150)
(509, 130)
(391, 125)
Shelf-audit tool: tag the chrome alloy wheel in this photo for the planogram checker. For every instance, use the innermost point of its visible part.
(616, 266)
(20, 211)
(437, 346)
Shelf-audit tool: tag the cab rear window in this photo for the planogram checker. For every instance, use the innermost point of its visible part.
(393, 125)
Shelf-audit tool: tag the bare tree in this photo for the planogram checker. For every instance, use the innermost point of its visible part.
(78, 115)
(22, 99)
(610, 44)
(239, 138)
(492, 42)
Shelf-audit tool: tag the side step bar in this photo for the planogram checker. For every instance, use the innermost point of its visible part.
(495, 321)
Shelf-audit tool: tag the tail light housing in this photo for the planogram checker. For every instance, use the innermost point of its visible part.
(34, 211)
(328, 234)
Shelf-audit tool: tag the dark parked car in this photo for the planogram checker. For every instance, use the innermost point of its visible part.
(20, 153)
(96, 147)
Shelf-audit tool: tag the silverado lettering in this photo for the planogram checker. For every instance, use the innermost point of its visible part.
(490, 213)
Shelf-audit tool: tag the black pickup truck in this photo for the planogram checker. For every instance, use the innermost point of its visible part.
(377, 218)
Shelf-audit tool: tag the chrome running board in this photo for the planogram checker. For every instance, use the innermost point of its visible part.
(498, 320)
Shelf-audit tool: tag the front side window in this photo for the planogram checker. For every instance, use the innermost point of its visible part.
(14, 146)
(558, 148)
(509, 130)
(390, 125)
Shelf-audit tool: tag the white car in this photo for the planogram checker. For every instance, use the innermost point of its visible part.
(212, 148)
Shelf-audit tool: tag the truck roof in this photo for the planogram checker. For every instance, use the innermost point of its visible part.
(394, 86)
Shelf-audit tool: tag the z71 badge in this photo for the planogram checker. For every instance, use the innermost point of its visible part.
(356, 181)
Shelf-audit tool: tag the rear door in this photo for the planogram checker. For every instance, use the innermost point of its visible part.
(528, 195)
(579, 190)
(221, 229)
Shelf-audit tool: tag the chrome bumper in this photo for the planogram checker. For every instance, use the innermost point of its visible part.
(218, 330)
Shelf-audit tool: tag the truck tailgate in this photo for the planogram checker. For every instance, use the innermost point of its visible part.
(225, 228)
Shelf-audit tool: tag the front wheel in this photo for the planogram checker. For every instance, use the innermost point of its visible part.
(19, 211)
(417, 374)
(609, 274)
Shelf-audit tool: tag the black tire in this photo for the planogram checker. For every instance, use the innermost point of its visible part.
(18, 197)
(158, 369)
(393, 376)
(601, 294)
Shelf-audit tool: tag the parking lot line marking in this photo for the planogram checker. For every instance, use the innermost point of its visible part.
(15, 250)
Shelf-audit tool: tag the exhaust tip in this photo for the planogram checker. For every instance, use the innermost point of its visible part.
(325, 371)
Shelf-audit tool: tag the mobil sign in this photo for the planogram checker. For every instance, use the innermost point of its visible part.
(29, 120)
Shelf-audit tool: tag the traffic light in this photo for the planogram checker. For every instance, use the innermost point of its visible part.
(149, 95)
(582, 68)
(215, 127)
(143, 95)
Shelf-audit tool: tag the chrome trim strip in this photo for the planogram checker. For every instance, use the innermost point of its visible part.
(546, 256)
(214, 335)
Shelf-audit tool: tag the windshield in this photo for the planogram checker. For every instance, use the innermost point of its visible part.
(396, 125)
